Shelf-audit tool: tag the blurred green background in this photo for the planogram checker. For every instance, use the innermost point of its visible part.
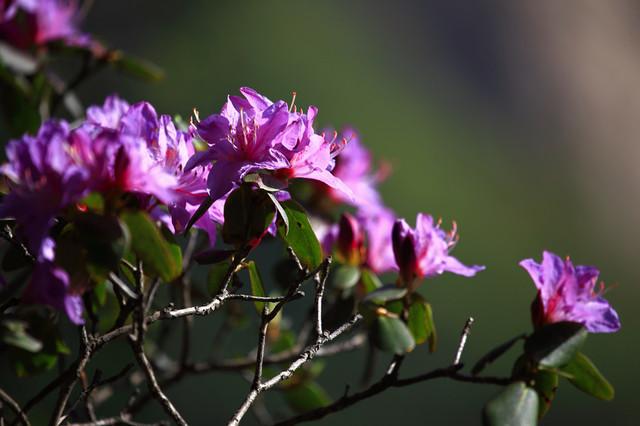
(517, 119)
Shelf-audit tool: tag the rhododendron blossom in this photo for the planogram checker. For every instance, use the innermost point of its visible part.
(424, 251)
(567, 293)
(35, 22)
(253, 134)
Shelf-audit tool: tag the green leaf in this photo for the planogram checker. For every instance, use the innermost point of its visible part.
(216, 274)
(202, 209)
(257, 288)
(42, 327)
(586, 377)
(515, 405)
(369, 280)
(158, 255)
(421, 323)
(300, 237)
(135, 67)
(554, 345)
(14, 333)
(546, 384)
(390, 334)
(494, 354)
(247, 215)
(105, 240)
(17, 60)
(305, 397)
(344, 277)
(385, 294)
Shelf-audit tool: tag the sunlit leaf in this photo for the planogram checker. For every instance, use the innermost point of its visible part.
(586, 377)
(301, 237)
(157, 254)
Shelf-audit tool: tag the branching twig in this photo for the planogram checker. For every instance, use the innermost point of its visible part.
(305, 356)
(391, 380)
(136, 341)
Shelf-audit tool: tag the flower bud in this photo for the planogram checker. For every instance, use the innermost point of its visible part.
(350, 241)
(404, 251)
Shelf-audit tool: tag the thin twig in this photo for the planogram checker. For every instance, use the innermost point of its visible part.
(11, 403)
(136, 340)
(463, 340)
(71, 375)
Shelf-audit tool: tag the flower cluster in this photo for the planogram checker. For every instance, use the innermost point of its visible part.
(26, 23)
(119, 149)
(129, 150)
(129, 153)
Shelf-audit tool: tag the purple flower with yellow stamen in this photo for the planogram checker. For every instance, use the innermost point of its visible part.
(253, 134)
(567, 293)
(424, 251)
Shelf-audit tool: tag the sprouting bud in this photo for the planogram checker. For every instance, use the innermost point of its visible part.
(350, 241)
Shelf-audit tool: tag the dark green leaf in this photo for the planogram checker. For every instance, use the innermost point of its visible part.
(555, 344)
(158, 255)
(305, 397)
(546, 384)
(390, 334)
(301, 237)
(209, 257)
(105, 240)
(257, 288)
(385, 294)
(344, 277)
(247, 215)
(217, 272)
(586, 377)
(202, 209)
(515, 405)
(494, 354)
(42, 327)
(136, 67)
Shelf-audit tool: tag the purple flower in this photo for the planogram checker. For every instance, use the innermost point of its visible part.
(50, 285)
(242, 139)
(354, 168)
(24, 23)
(424, 251)
(567, 293)
(378, 223)
(310, 156)
(43, 179)
(253, 134)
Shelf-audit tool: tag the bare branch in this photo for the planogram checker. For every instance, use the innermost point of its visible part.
(305, 356)
(71, 375)
(11, 403)
(136, 341)
(463, 340)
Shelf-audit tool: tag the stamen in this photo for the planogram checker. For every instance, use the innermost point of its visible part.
(293, 101)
